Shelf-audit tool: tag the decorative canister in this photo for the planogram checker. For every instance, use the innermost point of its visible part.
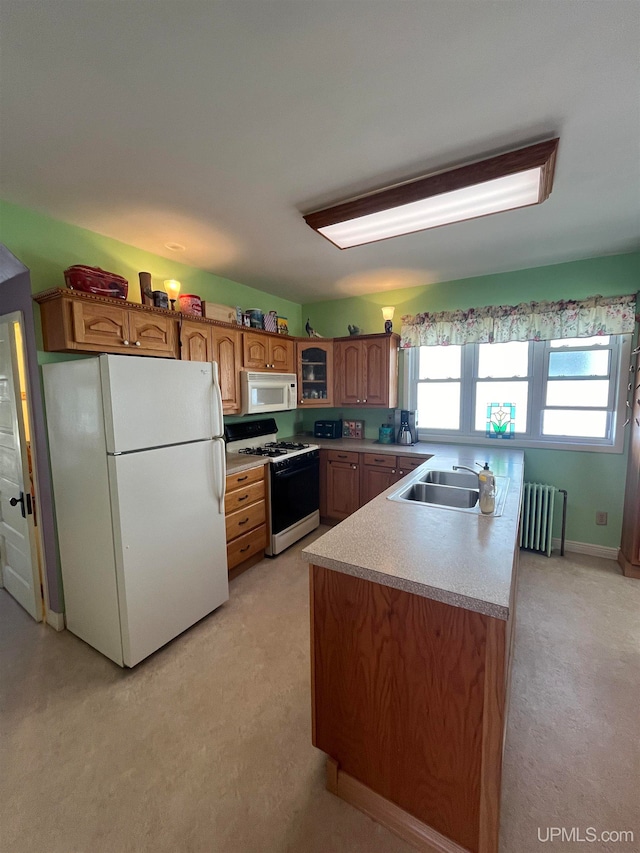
(255, 317)
(190, 304)
(160, 298)
(385, 434)
(271, 321)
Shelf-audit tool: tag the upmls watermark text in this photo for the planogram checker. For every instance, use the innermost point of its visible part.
(587, 835)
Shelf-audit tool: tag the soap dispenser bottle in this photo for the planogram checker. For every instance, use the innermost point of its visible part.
(487, 486)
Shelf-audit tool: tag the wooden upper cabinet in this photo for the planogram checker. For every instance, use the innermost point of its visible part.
(314, 367)
(281, 355)
(375, 366)
(153, 334)
(99, 325)
(264, 351)
(84, 322)
(255, 350)
(348, 372)
(227, 352)
(366, 371)
(196, 341)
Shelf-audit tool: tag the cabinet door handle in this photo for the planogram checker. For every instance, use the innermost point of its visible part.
(342, 455)
(365, 400)
(138, 343)
(245, 521)
(246, 548)
(242, 479)
(126, 343)
(243, 498)
(378, 460)
(355, 467)
(302, 401)
(357, 401)
(400, 472)
(394, 471)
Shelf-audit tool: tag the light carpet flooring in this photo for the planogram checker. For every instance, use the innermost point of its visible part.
(205, 747)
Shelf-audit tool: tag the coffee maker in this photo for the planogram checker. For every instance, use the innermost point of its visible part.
(405, 427)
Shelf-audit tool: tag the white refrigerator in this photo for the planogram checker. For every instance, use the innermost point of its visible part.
(138, 464)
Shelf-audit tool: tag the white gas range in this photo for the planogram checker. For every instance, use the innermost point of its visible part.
(294, 491)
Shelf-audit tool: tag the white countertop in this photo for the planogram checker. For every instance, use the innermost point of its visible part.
(460, 558)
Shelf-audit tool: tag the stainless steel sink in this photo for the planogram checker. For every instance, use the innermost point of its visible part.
(454, 496)
(452, 478)
(457, 490)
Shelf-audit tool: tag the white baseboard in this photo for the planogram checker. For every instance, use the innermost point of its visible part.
(585, 548)
(56, 620)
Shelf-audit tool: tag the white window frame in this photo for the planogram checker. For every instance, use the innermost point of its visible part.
(538, 377)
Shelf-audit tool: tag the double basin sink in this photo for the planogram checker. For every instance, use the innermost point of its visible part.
(456, 490)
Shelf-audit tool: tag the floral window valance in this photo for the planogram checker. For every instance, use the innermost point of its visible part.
(529, 321)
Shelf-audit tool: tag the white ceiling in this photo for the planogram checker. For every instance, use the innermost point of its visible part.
(215, 124)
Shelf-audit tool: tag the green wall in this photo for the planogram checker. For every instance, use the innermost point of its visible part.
(594, 481)
(47, 247)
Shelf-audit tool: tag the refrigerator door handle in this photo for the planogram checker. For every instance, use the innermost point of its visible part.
(218, 425)
(220, 471)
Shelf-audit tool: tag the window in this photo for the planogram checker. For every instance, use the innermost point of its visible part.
(563, 392)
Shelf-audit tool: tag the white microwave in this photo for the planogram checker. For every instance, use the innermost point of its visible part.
(268, 392)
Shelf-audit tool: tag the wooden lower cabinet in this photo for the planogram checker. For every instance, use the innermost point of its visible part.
(348, 480)
(245, 518)
(409, 701)
(342, 484)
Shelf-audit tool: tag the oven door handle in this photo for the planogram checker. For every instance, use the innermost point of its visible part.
(285, 475)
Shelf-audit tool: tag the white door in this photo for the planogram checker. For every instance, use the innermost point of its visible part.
(18, 554)
(154, 402)
(170, 542)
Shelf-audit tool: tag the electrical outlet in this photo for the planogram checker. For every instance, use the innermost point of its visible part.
(601, 517)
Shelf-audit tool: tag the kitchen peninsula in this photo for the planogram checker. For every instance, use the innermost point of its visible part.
(412, 618)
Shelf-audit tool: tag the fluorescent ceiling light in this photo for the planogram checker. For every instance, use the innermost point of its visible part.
(517, 179)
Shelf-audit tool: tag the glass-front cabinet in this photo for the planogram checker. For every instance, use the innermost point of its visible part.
(315, 373)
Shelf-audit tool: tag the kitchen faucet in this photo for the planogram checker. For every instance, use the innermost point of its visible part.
(465, 468)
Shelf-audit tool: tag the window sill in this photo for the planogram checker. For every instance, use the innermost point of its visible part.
(483, 441)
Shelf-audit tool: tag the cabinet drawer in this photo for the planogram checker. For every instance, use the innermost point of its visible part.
(244, 478)
(240, 498)
(408, 463)
(244, 520)
(246, 546)
(380, 459)
(343, 456)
